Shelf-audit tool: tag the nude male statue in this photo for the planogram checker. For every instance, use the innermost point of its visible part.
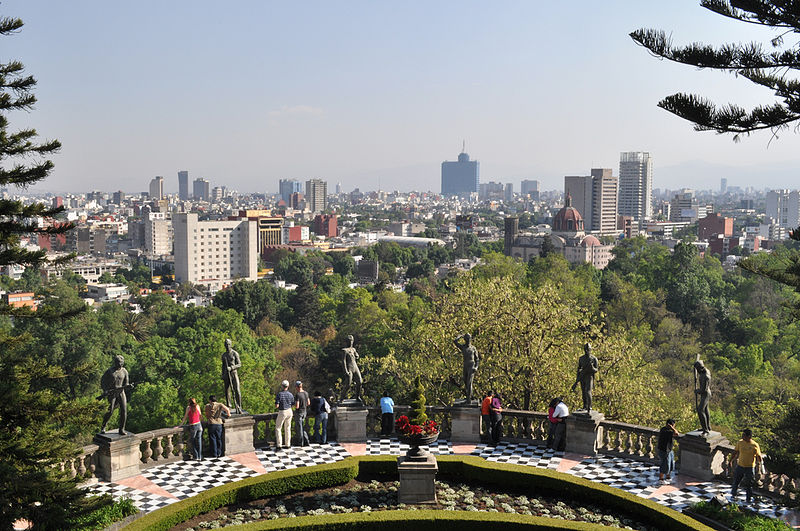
(471, 362)
(230, 376)
(703, 395)
(351, 371)
(114, 383)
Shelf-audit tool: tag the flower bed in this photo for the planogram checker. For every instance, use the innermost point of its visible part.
(365, 497)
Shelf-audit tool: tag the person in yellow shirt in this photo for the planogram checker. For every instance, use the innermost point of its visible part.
(745, 455)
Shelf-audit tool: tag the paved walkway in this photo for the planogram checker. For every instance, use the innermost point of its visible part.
(162, 485)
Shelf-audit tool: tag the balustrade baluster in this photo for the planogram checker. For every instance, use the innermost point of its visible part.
(639, 450)
(81, 466)
(618, 443)
(146, 451)
(168, 446)
(157, 450)
(650, 446)
(629, 443)
(180, 446)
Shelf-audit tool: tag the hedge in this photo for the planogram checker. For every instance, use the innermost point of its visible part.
(458, 467)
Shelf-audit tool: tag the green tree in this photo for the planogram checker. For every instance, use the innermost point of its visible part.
(256, 301)
(769, 68)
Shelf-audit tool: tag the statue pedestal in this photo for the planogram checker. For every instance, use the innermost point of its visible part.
(698, 455)
(238, 434)
(351, 423)
(118, 456)
(465, 423)
(584, 433)
(417, 480)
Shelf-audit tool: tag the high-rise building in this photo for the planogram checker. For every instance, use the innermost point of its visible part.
(287, 187)
(183, 185)
(530, 188)
(461, 177)
(636, 185)
(604, 201)
(215, 252)
(158, 234)
(201, 189)
(316, 195)
(157, 188)
(723, 185)
(509, 194)
(683, 206)
(783, 207)
(217, 193)
(118, 197)
(579, 189)
(490, 190)
(326, 225)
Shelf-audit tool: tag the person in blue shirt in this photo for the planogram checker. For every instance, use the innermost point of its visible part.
(387, 415)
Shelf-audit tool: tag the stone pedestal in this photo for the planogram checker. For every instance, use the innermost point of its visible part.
(465, 423)
(351, 423)
(698, 455)
(584, 433)
(118, 456)
(417, 479)
(238, 434)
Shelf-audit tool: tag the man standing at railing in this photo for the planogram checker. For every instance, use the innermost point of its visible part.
(666, 457)
(283, 424)
(746, 453)
(560, 414)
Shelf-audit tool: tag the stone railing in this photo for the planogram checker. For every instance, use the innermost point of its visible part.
(628, 440)
(264, 429)
(438, 414)
(525, 426)
(779, 484)
(84, 464)
(162, 446)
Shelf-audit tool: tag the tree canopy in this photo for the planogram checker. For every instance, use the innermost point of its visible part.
(773, 66)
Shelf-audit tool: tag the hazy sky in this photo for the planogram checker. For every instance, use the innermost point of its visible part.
(374, 93)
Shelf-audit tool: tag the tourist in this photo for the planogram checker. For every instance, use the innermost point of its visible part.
(283, 424)
(192, 419)
(666, 457)
(214, 411)
(486, 416)
(745, 455)
(496, 414)
(320, 407)
(301, 403)
(387, 414)
(551, 408)
(560, 414)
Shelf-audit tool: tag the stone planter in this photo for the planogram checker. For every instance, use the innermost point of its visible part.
(415, 441)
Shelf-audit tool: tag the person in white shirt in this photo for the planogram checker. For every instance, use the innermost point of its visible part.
(561, 412)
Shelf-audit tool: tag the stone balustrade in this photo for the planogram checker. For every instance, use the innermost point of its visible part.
(264, 429)
(84, 464)
(525, 426)
(161, 446)
(629, 440)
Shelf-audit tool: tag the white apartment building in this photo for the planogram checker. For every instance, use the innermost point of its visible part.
(783, 206)
(158, 234)
(636, 185)
(214, 252)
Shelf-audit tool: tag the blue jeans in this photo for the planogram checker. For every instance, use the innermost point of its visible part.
(666, 462)
(300, 427)
(215, 439)
(321, 422)
(743, 473)
(196, 440)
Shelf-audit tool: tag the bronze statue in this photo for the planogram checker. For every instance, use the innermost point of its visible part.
(351, 371)
(471, 362)
(230, 376)
(114, 384)
(587, 368)
(702, 391)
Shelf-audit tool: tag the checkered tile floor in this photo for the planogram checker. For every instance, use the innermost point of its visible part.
(184, 479)
(392, 446)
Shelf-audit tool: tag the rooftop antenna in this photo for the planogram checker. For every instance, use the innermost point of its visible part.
(463, 146)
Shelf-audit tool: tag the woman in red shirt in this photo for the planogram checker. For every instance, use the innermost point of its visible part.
(192, 419)
(485, 412)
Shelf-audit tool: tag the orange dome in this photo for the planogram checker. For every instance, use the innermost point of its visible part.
(568, 219)
(590, 241)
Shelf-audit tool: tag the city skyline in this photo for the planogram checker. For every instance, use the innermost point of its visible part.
(352, 95)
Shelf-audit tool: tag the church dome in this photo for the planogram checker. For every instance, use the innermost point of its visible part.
(590, 241)
(568, 219)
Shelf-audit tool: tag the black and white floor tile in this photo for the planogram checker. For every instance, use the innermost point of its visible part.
(392, 446)
(680, 499)
(145, 501)
(296, 456)
(633, 476)
(188, 478)
(520, 454)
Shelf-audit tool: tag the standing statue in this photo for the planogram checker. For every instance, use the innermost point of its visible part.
(351, 371)
(702, 391)
(230, 376)
(587, 368)
(114, 384)
(471, 362)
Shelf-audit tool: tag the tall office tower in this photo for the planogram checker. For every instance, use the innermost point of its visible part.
(287, 187)
(316, 195)
(636, 185)
(217, 193)
(214, 252)
(511, 225)
(683, 206)
(783, 206)
(604, 201)
(723, 185)
(157, 188)
(509, 194)
(338, 188)
(201, 189)
(530, 188)
(118, 197)
(183, 185)
(579, 188)
(460, 178)
(158, 234)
